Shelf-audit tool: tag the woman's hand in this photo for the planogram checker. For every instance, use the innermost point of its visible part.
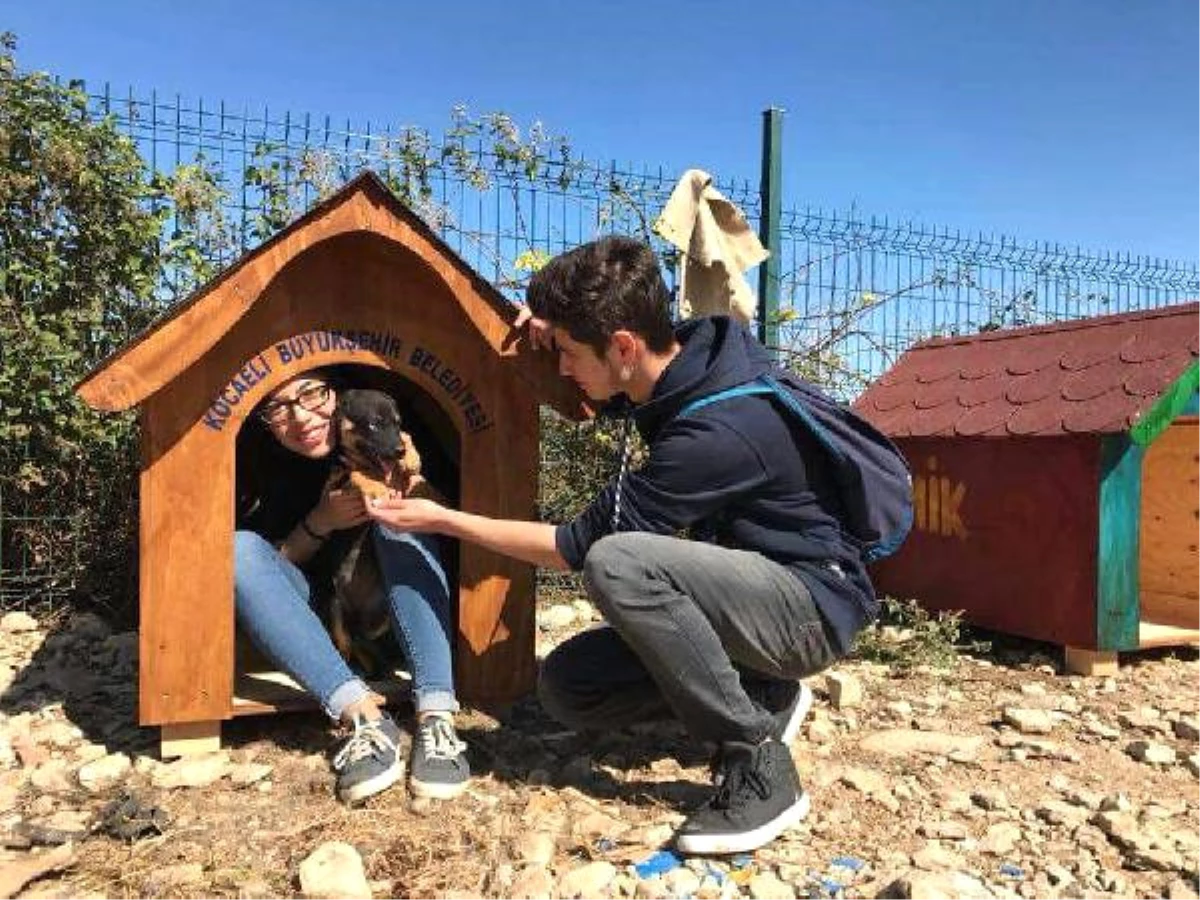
(339, 508)
(415, 514)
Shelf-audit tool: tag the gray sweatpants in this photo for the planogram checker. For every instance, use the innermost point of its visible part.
(694, 628)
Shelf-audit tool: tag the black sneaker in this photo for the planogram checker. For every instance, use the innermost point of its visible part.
(370, 760)
(790, 716)
(758, 798)
(788, 701)
(438, 767)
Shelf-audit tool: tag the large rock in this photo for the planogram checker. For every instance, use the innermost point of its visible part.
(681, 882)
(766, 886)
(333, 870)
(1000, 839)
(557, 617)
(588, 880)
(15, 874)
(17, 622)
(867, 781)
(52, 777)
(1150, 752)
(535, 847)
(191, 771)
(844, 690)
(926, 886)
(246, 774)
(175, 878)
(103, 773)
(909, 742)
(1029, 721)
(533, 883)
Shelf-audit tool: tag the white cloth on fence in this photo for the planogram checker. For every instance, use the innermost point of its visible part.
(718, 247)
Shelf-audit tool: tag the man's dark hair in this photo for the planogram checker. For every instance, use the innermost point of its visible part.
(602, 287)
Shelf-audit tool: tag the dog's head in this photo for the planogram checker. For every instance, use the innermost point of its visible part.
(369, 429)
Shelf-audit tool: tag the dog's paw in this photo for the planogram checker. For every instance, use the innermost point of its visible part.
(369, 487)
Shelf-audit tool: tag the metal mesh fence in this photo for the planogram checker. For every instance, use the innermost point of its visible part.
(863, 290)
(854, 291)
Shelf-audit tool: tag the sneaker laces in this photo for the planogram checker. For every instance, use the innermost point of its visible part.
(438, 740)
(367, 740)
(736, 780)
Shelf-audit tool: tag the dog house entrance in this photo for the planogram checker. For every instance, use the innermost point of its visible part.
(259, 687)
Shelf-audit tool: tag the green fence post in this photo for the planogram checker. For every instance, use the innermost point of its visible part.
(769, 191)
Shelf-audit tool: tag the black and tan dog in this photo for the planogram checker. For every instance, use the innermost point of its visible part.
(379, 459)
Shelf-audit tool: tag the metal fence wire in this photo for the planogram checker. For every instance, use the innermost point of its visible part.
(854, 290)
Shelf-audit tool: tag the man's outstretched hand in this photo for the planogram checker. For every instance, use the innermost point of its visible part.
(541, 334)
(402, 514)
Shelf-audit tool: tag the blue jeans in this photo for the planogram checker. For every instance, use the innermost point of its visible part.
(273, 601)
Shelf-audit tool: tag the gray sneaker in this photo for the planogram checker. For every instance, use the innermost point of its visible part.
(370, 761)
(438, 767)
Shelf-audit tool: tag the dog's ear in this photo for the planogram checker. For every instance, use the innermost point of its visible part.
(394, 409)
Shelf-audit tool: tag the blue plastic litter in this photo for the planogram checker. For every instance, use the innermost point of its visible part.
(657, 864)
(741, 860)
(852, 863)
(714, 873)
(1012, 871)
(831, 887)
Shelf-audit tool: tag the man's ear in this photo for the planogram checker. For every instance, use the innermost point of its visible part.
(626, 346)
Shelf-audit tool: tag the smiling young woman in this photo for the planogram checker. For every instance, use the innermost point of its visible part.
(295, 524)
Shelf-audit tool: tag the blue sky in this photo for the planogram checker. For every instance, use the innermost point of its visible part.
(1072, 121)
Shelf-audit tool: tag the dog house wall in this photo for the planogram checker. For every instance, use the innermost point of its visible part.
(360, 281)
(1055, 474)
(1005, 530)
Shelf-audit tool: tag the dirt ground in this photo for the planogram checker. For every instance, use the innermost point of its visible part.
(996, 777)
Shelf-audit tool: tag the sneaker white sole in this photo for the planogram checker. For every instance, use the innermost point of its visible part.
(744, 841)
(435, 790)
(372, 786)
(792, 727)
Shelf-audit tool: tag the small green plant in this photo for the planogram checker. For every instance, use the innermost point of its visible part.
(906, 636)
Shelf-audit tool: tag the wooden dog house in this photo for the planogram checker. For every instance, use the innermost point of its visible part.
(359, 279)
(1055, 480)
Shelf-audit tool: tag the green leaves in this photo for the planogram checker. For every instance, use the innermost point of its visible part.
(80, 259)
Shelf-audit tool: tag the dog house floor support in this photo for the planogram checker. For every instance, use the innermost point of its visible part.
(190, 738)
(1090, 663)
(265, 693)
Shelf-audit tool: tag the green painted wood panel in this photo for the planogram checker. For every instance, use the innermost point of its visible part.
(1178, 399)
(1117, 604)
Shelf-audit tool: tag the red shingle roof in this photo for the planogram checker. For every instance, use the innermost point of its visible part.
(1092, 375)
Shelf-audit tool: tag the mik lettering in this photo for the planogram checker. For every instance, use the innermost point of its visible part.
(937, 502)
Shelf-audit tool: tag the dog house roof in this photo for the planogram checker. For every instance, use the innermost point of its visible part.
(1100, 375)
(365, 204)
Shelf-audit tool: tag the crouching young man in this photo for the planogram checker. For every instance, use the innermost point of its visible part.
(715, 630)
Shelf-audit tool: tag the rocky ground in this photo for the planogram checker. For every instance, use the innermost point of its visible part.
(997, 777)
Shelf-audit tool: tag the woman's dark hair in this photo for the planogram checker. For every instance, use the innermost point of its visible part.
(602, 287)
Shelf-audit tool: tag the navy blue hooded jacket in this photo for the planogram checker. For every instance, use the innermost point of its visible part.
(741, 472)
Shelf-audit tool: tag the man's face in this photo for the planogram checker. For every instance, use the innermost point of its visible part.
(595, 375)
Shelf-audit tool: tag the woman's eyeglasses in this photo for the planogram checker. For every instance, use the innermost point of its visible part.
(276, 412)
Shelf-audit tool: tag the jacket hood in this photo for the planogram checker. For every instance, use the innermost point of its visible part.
(716, 353)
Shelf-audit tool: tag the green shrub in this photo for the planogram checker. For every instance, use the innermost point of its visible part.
(79, 261)
(906, 636)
